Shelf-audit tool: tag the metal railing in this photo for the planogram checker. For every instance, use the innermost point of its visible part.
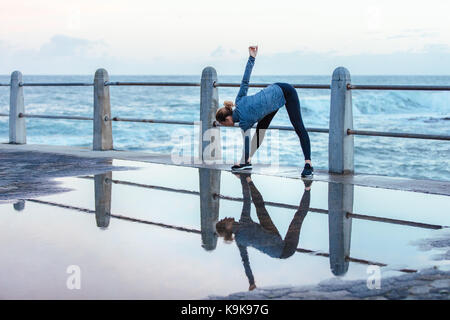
(414, 224)
(43, 116)
(55, 84)
(397, 87)
(340, 129)
(152, 84)
(397, 135)
(263, 85)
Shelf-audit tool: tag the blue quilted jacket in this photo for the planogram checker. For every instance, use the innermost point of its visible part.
(251, 109)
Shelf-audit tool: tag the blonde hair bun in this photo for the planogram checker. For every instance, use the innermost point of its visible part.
(228, 104)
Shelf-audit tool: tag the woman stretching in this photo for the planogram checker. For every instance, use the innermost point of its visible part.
(260, 108)
(263, 236)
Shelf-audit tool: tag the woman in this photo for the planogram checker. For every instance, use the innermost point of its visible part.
(260, 108)
(263, 236)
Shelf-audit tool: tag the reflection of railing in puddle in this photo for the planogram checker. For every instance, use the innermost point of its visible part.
(340, 207)
(283, 205)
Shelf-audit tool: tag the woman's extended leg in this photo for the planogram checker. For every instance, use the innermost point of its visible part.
(293, 110)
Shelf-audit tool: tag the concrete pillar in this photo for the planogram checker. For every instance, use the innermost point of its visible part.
(17, 128)
(340, 201)
(209, 141)
(102, 112)
(209, 206)
(340, 144)
(102, 189)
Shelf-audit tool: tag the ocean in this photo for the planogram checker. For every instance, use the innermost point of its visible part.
(395, 111)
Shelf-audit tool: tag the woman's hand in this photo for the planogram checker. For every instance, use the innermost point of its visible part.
(253, 51)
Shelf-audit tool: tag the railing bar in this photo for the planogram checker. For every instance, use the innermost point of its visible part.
(262, 85)
(160, 84)
(288, 128)
(284, 128)
(4, 115)
(56, 84)
(350, 87)
(362, 261)
(141, 185)
(21, 115)
(349, 214)
(358, 132)
(225, 84)
(395, 221)
(168, 226)
(191, 123)
(398, 87)
(42, 116)
(85, 210)
(397, 135)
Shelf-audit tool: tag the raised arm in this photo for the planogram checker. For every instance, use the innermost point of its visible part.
(253, 50)
(246, 263)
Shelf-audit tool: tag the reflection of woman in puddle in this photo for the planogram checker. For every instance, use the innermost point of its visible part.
(263, 236)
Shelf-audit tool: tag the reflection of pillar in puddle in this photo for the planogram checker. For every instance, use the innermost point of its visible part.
(19, 205)
(340, 201)
(103, 199)
(209, 206)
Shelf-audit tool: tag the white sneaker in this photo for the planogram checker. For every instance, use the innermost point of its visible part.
(242, 167)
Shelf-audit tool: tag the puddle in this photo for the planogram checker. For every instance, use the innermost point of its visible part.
(150, 234)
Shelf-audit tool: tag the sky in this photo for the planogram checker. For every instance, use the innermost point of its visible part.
(295, 37)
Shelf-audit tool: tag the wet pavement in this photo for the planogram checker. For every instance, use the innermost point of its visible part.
(148, 231)
(385, 182)
(427, 284)
(31, 174)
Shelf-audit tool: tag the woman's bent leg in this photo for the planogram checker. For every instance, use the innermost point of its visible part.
(261, 127)
(293, 110)
(258, 137)
(293, 234)
(263, 216)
